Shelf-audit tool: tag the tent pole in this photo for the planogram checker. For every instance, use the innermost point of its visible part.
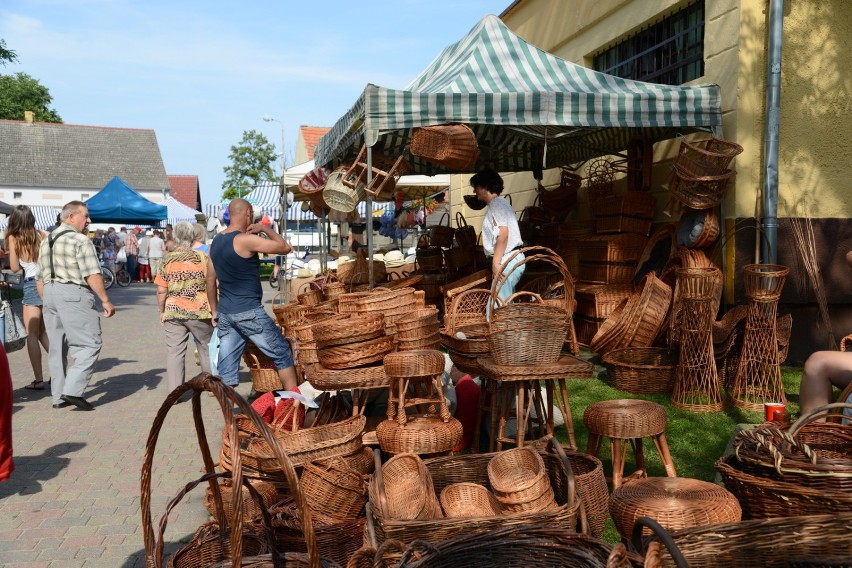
(369, 214)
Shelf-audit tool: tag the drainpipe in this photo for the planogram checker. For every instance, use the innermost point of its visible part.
(773, 119)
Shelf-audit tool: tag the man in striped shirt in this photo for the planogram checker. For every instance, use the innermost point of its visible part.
(131, 249)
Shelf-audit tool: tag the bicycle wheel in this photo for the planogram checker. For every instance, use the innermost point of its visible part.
(273, 280)
(109, 277)
(122, 278)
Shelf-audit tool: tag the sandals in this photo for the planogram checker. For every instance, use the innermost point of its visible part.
(37, 385)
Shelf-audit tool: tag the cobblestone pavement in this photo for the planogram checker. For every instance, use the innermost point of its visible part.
(73, 500)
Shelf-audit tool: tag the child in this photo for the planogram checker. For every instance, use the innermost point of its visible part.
(109, 256)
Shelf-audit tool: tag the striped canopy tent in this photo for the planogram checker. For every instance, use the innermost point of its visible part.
(529, 109)
(295, 212)
(177, 211)
(45, 217)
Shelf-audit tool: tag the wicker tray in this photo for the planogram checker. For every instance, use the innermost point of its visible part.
(424, 363)
(350, 328)
(474, 339)
(468, 500)
(452, 146)
(472, 468)
(369, 377)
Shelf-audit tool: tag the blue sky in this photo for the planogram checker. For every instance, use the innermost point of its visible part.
(200, 73)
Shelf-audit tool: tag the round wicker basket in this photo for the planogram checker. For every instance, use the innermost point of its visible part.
(641, 370)
(423, 435)
(468, 500)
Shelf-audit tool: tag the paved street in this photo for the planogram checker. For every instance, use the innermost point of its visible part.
(73, 500)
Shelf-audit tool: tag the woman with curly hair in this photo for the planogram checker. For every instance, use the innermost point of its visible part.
(22, 242)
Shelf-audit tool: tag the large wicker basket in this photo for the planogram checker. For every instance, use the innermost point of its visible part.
(641, 370)
(451, 146)
(472, 468)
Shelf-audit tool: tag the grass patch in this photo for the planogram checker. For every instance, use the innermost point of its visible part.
(696, 440)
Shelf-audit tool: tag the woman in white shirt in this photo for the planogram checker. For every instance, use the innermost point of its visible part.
(500, 233)
(23, 240)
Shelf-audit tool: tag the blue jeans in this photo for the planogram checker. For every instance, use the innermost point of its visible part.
(31, 297)
(507, 288)
(256, 326)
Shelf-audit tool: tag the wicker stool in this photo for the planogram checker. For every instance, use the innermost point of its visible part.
(632, 420)
(674, 502)
(415, 378)
(521, 385)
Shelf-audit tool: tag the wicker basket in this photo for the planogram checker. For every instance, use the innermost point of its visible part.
(336, 541)
(422, 434)
(332, 489)
(352, 328)
(472, 468)
(428, 342)
(468, 307)
(468, 500)
(674, 502)
(414, 364)
(451, 146)
(289, 316)
(641, 370)
(407, 490)
(369, 377)
(470, 339)
(263, 378)
(311, 297)
(251, 509)
(696, 190)
(519, 480)
(355, 354)
(458, 258)
(689, 235)
(808, 540)
(340, 196)
(527, 341)
(631, 212)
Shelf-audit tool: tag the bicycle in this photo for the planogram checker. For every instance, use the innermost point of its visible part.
(108, 276)
(122, 277)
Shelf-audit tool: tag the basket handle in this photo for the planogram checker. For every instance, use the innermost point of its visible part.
(379, 480)
(460, 220)
(444, 216)
(766, 442)
(207, 477)
(228, 399)
(662, 534)
(814, 414)
(556, 447)
(534, 253)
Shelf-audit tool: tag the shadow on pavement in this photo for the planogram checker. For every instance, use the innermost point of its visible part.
(31, 471)
(116, 387)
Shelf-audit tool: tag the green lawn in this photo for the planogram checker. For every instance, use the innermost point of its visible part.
(696, 440)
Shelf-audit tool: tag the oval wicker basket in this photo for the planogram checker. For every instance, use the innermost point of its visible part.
(452, 146)
(355, 354)
(473, 339)
(518, 476)
(369, 377)
(305, 330)
(414, 364)
(337, 331)
(333, 489)
(361, 461)
(641, 370)
(251, 509)
(408, 490)
(523, 341)
(428, 331)
(417, 318)
(340, 196)
(422, 435)
(429, 342)
(468, 500)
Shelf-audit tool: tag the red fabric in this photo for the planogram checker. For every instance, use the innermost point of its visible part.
(280, 413)
(467, 399)
(7, 464)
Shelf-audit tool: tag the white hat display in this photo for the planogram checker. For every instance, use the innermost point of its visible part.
(379, 256)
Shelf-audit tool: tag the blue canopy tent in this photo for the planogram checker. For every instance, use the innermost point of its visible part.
(117, 202)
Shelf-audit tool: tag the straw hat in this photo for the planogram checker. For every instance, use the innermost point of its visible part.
(342, 259)
(379, 256)
(394, 258)
(304, 273)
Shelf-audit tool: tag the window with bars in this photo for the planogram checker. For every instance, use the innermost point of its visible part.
(670, 52)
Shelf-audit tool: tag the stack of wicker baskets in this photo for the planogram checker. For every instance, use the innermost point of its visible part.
(418, 329)
(700, 174)
(520, 481)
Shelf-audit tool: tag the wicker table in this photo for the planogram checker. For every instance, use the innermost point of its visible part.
(524, 382)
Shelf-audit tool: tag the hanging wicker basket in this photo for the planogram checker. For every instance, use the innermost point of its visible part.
(451, 146)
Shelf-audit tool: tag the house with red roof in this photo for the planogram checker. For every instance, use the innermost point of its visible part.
(307, 141)
(186, 189)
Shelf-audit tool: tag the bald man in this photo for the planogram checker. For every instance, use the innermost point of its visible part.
(239, 316)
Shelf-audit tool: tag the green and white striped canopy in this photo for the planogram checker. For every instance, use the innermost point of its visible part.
(528, 108)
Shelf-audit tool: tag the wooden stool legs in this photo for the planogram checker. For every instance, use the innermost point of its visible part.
(618, 450)
(532, 408)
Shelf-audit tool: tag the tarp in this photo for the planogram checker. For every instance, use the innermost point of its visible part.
(529, 109)
(117, 202)
(178, 211)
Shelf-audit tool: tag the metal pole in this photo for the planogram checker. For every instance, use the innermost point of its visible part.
(369, 214)
(773, 119)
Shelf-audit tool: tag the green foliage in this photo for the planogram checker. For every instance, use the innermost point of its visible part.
(251, 164)
(6, 54)
(20, 92)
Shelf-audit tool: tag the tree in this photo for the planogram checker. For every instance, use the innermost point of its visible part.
(6, 54)
(251, 164)
(20, 92)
